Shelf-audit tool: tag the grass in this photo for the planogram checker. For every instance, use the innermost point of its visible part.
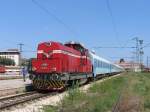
(101, 97)
(107, 94)
(49, 108)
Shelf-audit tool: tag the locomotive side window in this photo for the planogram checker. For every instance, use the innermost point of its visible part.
(79, 48)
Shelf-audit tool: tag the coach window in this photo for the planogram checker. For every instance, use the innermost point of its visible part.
(100, 63)
(82, 50)
(96, 63)
(105, 65)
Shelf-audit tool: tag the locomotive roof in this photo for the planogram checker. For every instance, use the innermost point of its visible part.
(49, 42)
(74, 42)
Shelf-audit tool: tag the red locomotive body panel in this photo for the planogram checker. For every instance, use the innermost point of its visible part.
(54, 57)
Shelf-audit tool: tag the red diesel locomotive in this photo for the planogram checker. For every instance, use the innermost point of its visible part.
(58, 65)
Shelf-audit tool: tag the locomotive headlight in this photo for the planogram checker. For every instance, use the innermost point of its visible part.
(53, 69)
(33, 68)
(40, 51)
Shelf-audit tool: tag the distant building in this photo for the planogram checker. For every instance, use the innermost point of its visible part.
(13, 54)
(130, 66)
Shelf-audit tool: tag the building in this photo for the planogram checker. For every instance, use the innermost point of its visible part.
(130, 66)
(13, 54)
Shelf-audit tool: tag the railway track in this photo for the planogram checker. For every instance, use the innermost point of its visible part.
(10, 101)
(116, 107)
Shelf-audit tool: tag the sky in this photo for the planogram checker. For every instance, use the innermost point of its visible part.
(95, 23)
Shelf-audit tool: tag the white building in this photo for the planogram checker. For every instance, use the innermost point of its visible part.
(13, 54)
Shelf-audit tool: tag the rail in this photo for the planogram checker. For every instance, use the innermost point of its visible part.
(20, 98)
(116, 107)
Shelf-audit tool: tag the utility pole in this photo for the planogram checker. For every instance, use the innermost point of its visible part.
(141, 52)
(137, 50)
(147, 62)
(20, 50)
(136, 53)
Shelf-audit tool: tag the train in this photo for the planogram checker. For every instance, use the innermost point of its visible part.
(2, 69)
(58, 65)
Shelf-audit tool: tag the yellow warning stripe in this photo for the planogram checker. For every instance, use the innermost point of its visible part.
(50, 85)
(56, 84)
(45, 84)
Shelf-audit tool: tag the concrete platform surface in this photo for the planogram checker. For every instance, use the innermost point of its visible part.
(14, 83)
(5, 75)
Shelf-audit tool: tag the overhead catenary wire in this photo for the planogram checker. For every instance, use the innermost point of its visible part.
(113, 47)
(127, 42)
(28, 51)
(123, 57)
(147, 45)
(55, 17)
(113, 22)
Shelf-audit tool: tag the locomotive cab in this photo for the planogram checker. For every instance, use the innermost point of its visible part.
(77, 46)
(83, 52)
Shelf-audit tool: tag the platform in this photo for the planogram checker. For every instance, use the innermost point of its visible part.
(9, 76)
(14, 83)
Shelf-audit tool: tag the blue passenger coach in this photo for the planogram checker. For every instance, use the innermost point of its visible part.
(102, 66)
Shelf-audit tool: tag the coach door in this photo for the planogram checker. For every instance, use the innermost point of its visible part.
(83, 60)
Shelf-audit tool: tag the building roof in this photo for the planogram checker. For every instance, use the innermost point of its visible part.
(10, 51)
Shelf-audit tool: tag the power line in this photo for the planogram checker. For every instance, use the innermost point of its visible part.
(28, 51)
(113, 47)
(147, 45)
(123, 57)
(55, 17)
(127, 42)
(113, 21)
